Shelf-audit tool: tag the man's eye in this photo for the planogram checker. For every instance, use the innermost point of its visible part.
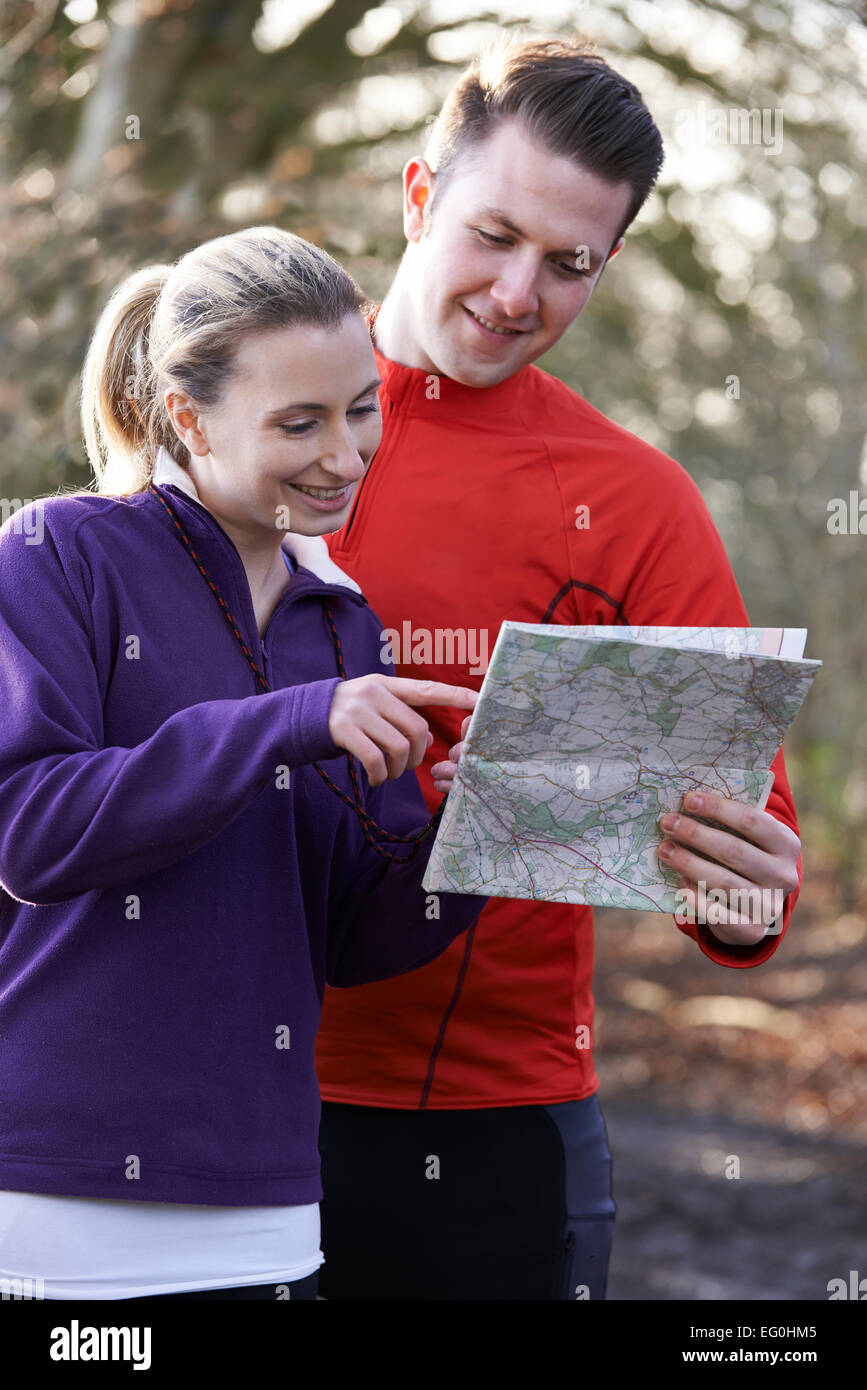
(572, 271)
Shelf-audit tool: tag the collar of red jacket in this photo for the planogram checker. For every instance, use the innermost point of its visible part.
(415, 386)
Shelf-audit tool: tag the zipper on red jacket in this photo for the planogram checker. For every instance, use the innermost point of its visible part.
(361, 485)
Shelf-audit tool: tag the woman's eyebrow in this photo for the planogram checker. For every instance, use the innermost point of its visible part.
(314, 405)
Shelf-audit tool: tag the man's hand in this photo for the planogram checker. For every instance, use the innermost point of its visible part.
(765, 859)
(443, 774)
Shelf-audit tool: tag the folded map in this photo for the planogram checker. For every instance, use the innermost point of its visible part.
(583, 737)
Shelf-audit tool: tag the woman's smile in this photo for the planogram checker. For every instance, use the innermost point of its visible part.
(326, 499)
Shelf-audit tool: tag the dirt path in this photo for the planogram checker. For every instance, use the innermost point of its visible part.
(795, 1218)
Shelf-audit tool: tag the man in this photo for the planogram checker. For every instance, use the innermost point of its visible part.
(464, 1152)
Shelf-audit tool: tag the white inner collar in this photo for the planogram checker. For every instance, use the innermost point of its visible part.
(311, 552)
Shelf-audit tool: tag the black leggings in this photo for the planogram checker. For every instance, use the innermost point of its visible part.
(271, 1293)
(506, 1203)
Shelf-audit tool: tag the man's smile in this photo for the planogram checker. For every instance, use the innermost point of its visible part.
(490, 327)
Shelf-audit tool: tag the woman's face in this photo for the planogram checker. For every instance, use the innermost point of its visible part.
(297, 426)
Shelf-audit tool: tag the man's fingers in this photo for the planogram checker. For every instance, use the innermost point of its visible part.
(455, 752)
(745, 915)
(759, 827)
(727, 849)
(677, 857)
(443, 776)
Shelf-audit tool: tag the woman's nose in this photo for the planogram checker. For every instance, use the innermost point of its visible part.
(343, 456)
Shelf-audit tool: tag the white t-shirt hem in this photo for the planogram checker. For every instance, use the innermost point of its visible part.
(88, 1293)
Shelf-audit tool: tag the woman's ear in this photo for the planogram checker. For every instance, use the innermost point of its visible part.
(186, 422)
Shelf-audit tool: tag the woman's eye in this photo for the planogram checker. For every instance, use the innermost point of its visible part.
(304, 426)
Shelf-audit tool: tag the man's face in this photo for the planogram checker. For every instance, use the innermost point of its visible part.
(507, 255)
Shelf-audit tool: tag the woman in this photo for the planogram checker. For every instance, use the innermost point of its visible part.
(186, 850)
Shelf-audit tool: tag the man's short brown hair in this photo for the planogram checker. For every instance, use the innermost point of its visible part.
(567, 98)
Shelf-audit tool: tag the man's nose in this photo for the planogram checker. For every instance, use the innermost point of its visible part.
(515, 290)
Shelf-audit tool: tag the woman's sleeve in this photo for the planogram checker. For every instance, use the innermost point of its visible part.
(381, 922)
(77, 816)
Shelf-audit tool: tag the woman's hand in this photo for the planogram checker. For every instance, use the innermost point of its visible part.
(372, 718)
(443, 774)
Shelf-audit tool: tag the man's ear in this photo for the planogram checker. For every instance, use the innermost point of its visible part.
(615, 248)
(186, 422)
(417, 191)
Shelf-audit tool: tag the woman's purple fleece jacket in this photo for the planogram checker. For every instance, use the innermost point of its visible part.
(169, 909)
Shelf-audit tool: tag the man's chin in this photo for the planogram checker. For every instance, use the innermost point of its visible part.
(468, 372)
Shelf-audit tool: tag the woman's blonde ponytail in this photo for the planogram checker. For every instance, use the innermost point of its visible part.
(119, 411)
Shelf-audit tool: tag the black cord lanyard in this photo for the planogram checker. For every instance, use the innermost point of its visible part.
(369, 826)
